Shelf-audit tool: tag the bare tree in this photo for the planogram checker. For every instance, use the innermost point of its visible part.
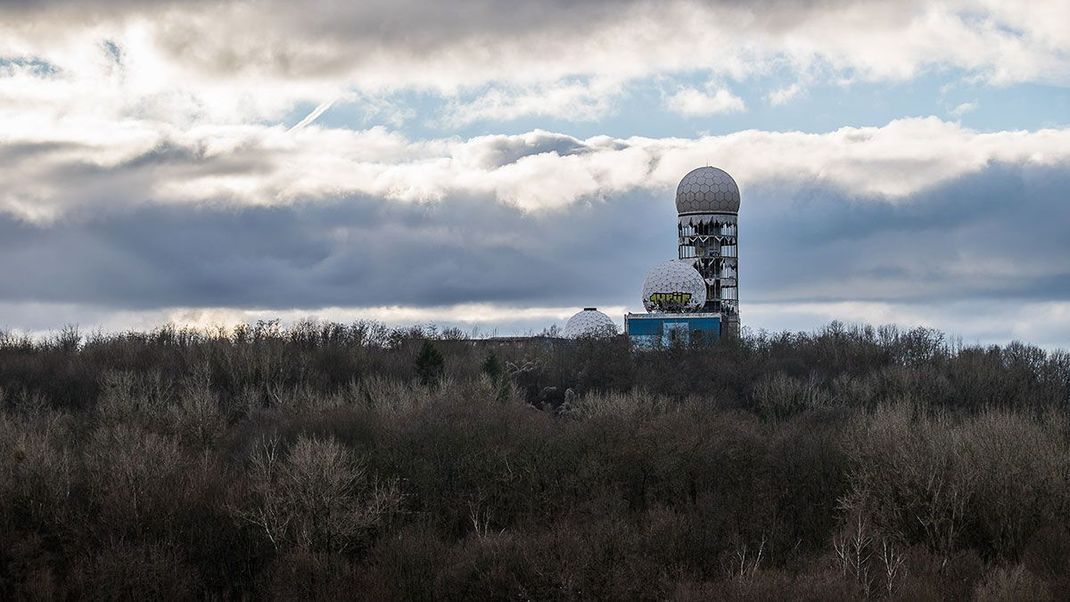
(317, 497)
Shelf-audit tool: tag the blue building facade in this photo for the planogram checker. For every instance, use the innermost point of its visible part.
(665, 329)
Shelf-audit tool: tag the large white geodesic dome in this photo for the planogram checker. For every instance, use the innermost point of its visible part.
(674, 286)
(707, 190)
(589, 323)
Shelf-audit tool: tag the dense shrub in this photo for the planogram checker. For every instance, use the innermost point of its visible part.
(325, 461)
(986, 482)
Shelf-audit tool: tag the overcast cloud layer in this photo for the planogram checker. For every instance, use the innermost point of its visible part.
(220, 161)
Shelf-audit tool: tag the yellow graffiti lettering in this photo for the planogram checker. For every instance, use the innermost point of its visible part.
(676, 299)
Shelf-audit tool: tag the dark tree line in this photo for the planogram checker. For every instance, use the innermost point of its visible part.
(357, 461)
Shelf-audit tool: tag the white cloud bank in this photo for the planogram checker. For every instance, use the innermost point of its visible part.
(70, 165)
(240, 61)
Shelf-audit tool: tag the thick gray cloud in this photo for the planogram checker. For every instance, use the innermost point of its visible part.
(356, 251)
(960, 241)
(999, 234)
(420, 24)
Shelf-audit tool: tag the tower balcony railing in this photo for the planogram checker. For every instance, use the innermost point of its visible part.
(724, 230)
(723, 236)
(691, 252)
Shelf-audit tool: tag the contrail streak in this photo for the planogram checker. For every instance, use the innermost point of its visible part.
(320, 110)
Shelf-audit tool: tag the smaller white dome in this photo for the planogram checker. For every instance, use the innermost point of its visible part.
(674, 286)
(589, 323)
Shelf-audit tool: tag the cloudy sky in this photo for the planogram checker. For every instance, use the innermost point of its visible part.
(498, 164)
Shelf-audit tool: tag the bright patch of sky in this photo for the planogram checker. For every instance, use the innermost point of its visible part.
(640, 108)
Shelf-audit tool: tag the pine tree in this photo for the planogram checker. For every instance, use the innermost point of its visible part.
(430, 366)
(491, 366)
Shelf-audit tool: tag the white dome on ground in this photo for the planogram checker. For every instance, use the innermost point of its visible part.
(674, 286)
(589, 323)
(707, 190)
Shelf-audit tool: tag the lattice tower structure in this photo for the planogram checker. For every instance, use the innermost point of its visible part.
(707, 205)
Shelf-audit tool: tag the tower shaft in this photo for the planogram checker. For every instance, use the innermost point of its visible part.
(709, 242)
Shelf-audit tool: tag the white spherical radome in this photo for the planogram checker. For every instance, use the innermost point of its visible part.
(674, 286)
(589, 323)
(707, 190)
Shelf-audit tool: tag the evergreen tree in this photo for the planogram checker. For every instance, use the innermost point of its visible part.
(491, 366)
(430, 367)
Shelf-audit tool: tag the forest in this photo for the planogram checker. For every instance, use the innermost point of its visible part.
(330, 461)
